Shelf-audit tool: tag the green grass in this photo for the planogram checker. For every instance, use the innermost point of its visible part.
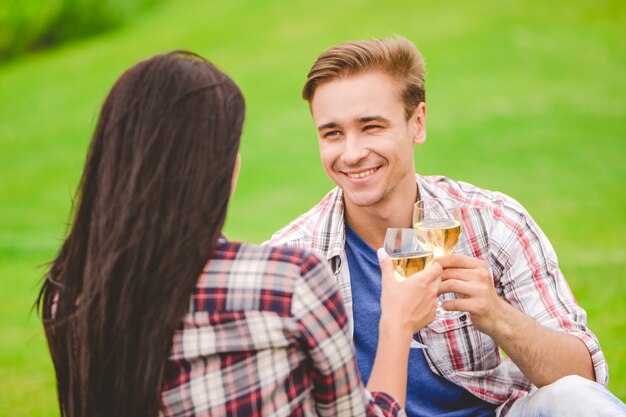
(526, 97)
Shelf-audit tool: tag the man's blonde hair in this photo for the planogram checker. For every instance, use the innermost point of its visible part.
(397, 57)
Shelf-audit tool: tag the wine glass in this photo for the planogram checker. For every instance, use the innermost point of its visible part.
(407, 255)
(437, 226)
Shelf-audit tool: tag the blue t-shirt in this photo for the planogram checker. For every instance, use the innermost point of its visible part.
(428, 394)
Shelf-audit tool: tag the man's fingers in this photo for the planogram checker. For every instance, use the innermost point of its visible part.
(462, 288)
(475, 307)
(458, 304)
(458, 274)
(460, 261)
(468, 275)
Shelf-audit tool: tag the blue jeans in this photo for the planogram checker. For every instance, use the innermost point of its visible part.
(572, 396)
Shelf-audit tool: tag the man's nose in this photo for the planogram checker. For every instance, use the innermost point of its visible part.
(353, 150)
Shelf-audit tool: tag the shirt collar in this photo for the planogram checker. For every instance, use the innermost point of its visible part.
(333, 220)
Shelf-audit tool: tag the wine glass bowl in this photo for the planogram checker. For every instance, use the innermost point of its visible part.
(437, 227)
(407, 254)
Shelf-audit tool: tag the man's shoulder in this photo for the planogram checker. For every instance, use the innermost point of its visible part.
(300, 231)
(469, 194)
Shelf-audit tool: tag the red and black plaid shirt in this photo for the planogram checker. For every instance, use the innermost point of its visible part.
(266, 334)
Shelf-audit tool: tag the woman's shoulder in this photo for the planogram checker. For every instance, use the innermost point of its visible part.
(241, 251)
(286, 267)
(246, 277)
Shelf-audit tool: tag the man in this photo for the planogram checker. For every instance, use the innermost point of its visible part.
(368, 103)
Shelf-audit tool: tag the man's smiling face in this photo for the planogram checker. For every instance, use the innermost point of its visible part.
(366, 143)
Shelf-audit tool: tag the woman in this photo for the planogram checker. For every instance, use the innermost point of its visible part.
(148, 310)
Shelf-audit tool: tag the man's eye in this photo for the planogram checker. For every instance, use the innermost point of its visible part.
(332, 134)
(372, 127)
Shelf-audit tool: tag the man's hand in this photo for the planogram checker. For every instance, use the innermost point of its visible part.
(470, 279)
(542, 354)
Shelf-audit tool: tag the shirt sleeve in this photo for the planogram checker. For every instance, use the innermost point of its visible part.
(323, 326)
(530, 279)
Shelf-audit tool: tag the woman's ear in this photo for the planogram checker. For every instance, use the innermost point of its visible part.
(236, 169)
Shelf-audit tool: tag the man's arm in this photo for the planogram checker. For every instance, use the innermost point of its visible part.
(542, 354)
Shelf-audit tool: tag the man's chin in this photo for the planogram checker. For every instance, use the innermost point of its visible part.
(361, 201)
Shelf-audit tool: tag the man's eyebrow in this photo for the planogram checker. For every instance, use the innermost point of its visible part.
(377, 118)
(364, 119)
(329, 125)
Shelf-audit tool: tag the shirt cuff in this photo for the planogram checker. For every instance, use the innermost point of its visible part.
(388, 404)
(598, 361)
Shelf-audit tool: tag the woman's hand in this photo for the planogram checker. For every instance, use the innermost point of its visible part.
(407, 305)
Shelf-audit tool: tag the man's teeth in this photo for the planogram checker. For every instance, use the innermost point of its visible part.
(362, 174)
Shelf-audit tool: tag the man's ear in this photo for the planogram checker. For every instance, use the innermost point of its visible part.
(418, 120)
(236, 169)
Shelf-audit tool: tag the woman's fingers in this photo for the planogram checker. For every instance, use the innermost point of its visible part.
(386, 266)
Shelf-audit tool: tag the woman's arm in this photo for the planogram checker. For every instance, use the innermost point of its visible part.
(406, 307)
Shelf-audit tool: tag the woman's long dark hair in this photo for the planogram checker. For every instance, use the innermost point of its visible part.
(149, 209)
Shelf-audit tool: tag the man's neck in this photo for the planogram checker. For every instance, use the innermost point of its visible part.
(371, 223)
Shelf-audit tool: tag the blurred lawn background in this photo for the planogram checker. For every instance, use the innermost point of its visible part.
(525, 97)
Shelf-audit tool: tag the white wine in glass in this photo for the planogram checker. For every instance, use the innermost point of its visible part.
(438, 235)
(406, 253)
(437, 226)
(407, 264)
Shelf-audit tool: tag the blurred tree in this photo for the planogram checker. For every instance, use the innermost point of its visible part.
(27, 25)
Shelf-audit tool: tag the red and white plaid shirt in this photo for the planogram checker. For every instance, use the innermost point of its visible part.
(266, 334)
(524, 269)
